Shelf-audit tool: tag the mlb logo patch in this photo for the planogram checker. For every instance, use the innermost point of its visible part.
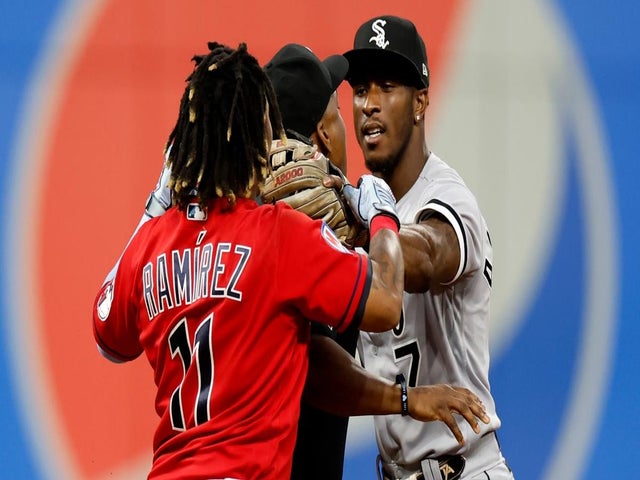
(330, 237)
(194, 212)
(104, 302)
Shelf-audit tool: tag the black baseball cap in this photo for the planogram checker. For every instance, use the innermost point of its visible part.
(304, 84)
(389, 44)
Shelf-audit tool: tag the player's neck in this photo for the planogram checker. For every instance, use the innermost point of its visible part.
(409, 167)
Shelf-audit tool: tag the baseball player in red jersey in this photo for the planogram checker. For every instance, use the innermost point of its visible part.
(443, 335)
(218, 292)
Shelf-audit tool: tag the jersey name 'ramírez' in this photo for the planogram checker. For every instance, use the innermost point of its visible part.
(191, 274)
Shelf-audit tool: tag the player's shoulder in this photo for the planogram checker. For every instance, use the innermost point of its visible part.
(438, 170)
(150, 235)
(279, 221)
(155, 227)
(295, 228)
(283, 212)
(441, 186)
(446, 180)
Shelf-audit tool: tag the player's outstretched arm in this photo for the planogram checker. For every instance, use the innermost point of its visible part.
(337, 384)
(430, 248)
(373, 205)
(431, 253)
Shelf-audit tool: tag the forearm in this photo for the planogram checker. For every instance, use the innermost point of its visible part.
(386, 254)
(384, 303)
(337, 384)
(431, 254)
(417, 255)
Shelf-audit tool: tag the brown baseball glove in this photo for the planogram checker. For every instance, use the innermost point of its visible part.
(297, 170)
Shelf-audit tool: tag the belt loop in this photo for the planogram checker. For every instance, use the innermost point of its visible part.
(430, 469)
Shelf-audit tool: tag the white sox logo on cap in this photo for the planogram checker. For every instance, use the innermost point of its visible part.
(399, 45)
(380, 37)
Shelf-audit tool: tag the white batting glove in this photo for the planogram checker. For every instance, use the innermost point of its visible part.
(373, 197)
(159, 200)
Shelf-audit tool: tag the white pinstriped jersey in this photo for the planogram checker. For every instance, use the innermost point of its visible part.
(443, 336)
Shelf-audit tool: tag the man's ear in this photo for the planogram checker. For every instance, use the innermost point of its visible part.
(321, 138)
(421, 102)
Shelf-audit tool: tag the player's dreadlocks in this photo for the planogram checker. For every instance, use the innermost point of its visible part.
(218, 147)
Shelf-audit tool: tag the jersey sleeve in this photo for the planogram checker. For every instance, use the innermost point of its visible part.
(322, 279)
(452, 200)
(115, 316)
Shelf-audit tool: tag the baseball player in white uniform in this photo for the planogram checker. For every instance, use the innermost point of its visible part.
(443, 335)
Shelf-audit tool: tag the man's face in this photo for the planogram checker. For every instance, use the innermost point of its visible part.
(336, 130)
(383, 116)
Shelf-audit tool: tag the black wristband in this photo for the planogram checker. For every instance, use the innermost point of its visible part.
(404, 396)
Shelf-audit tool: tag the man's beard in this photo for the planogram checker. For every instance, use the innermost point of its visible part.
(383, 166)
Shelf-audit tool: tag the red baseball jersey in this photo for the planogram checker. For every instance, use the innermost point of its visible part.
(220, 302)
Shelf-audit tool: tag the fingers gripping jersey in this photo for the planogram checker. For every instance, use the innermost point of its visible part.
(217, 301)
(443, 335)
